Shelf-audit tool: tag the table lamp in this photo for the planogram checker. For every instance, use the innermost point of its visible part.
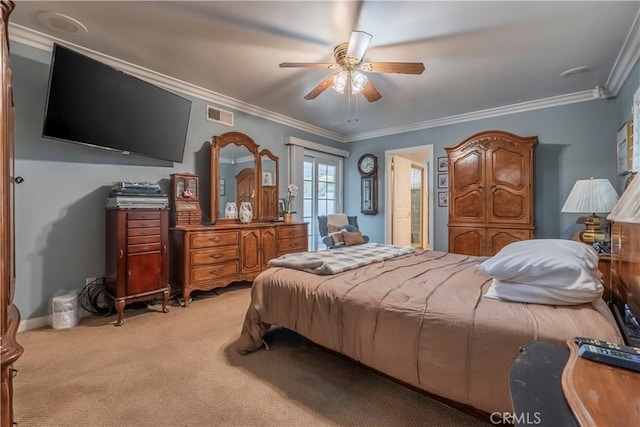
(591, 196)
(628, 207)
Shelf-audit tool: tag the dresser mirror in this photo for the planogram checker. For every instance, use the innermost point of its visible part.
(268, 186)
(237, 176)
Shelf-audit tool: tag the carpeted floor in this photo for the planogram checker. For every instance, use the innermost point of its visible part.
(182, 369)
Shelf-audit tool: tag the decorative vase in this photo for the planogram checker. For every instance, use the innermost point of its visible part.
(231, 211)
(246, 212)
(288, 218)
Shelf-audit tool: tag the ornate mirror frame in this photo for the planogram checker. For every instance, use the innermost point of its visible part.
(260, 195)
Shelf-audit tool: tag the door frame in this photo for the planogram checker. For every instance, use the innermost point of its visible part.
(429, 175)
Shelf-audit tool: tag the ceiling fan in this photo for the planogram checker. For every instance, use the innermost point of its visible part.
(350, 61)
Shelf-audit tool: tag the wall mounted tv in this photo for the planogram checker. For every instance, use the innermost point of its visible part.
(91, 103)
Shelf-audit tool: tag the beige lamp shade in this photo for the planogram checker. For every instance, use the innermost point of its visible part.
(591, 196)
(628, 207)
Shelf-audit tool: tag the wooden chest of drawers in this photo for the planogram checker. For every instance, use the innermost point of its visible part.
(208, 257)
(137, 259)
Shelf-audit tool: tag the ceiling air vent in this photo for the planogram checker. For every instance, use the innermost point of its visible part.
(219, 116)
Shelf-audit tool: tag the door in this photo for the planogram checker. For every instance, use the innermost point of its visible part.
(401, 227)
(250, 251)
(467, 198)
(417, 206)
(268, 245)
(509, 187)
(322, 192)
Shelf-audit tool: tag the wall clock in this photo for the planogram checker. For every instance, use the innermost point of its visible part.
(368, 164)
(368, 168)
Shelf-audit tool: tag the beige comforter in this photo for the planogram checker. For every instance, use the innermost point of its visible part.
(419, 318)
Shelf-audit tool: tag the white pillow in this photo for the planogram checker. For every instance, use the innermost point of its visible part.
(551, 262)
(544, 271)
(550, 295)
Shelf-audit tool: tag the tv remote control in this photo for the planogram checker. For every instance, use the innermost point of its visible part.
(610, 357)
(606, 344)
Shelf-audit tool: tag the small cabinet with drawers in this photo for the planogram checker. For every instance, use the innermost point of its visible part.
(137, 259)
(208, 257)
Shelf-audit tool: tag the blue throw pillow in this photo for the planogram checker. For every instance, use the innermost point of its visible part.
(350, 228)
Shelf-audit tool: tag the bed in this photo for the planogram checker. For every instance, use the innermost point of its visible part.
(419, 317)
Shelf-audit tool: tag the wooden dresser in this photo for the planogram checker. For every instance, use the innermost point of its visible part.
(491, 192)
(208, 257)
(137, 259)
(9, 314)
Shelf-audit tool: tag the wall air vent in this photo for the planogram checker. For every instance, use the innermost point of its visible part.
(219, 116)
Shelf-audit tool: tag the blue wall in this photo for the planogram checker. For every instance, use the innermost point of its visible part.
(59, 210)
(575, 141)
(60, 206)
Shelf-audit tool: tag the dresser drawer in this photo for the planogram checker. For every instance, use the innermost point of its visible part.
(143, 223)
(215, 271)
(210, 256)
(151, 231)
(287, 232)
(140, 240)
(214, 238)
(292, 245)
(143, 215)
(149, 247)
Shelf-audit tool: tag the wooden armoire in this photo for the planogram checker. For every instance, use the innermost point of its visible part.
(491, 192)
(9, 314)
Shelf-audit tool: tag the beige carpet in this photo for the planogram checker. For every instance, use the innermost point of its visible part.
(181, 369)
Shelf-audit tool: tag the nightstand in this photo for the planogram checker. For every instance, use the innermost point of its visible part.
(535, 385)
(551, 386)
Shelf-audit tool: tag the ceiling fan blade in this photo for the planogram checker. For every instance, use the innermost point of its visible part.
(394, 67)
(324, 85)
(308, 65)
(370, 92)
(358, 45)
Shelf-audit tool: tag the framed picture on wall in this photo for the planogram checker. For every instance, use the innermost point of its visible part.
(443, 199)
(442, 164)
(221, 189)
(625, 148)
(443, 180)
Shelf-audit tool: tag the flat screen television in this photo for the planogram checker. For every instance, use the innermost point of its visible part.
(91, 103)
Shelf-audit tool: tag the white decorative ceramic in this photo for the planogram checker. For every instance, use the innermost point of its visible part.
(246, 212)
(231, 211)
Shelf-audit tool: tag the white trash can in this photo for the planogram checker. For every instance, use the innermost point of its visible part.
(63, 312)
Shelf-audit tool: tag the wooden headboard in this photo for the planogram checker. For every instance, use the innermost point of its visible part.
(625, 263)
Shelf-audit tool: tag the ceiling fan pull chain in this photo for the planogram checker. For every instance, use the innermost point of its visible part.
(349, 101)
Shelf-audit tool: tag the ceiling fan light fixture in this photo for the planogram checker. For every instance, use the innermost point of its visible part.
(340, 81)
(358, 82)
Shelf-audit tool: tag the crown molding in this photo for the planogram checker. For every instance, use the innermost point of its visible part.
(554, 101)
(627, 58)
(45, 42)
(629, 55)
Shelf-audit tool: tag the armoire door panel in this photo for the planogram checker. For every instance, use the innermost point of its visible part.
(467, 241)
(469, 206)
(507, 206)
(468, 170)
(507, 168)
(499, 238)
